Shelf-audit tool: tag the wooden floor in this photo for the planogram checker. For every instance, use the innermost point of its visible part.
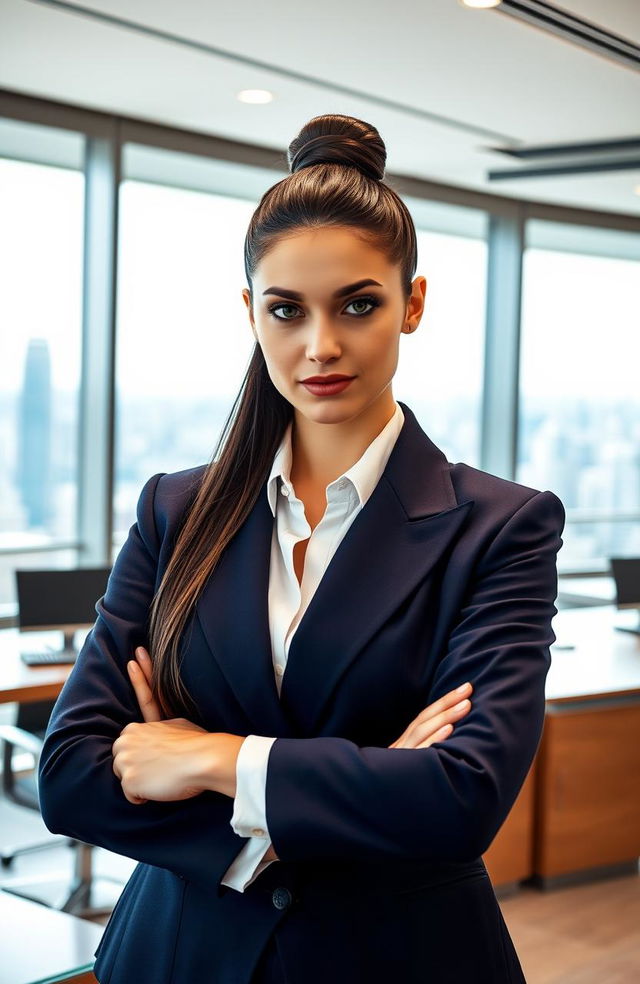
(584, 934)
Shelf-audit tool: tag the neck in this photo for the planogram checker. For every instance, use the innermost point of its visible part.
(320, 452)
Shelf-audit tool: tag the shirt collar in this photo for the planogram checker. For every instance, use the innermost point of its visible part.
(363, 475)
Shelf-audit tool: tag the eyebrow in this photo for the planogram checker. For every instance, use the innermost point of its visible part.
(295, 295)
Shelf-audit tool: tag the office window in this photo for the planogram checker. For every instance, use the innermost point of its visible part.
(41, 241)
(183, 334)
(440, 369)
(579, 426)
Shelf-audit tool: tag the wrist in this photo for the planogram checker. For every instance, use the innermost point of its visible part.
(215, 766)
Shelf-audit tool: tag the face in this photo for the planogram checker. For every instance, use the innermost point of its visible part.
(314, 315)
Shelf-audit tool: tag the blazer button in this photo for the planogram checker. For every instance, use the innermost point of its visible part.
(281, 897)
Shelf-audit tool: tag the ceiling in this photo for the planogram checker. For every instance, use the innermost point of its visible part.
(444, 85)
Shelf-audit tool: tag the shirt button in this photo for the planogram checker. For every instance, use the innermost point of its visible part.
(284, 490)
(258, 832)
(279, 669)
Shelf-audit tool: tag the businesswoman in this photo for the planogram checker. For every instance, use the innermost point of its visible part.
(267, 712)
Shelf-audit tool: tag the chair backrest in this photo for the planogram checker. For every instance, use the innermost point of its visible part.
(34, 716)
(626, 574)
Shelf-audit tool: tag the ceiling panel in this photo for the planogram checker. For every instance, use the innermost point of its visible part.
(443, 84)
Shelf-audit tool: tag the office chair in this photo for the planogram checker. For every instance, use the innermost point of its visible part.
(22, 789)
(27, 734)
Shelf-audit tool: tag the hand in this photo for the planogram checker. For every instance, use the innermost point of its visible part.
(201, 761)
(152, 759)
(434, 723)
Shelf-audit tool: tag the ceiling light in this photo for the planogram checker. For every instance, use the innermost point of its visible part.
(637, 190)
(480, 4)
(256, 96)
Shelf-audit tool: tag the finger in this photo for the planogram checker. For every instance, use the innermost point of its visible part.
(445, 702)
(148, 705)
(427, 728)
(144, 661)
(440, 735)
(437, 707)
(419, 730)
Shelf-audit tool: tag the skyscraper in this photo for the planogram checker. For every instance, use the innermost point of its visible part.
(34, 434)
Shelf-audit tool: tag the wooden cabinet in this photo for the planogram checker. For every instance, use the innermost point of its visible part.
(587, 804)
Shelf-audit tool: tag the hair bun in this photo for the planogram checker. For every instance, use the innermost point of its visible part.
(337, 139)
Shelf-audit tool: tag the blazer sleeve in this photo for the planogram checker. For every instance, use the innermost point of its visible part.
(328, 797)
(80, 796)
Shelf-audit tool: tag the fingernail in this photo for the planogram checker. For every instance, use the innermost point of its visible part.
(461, 689)
(461, 705)
(140, 653)
(131, 666)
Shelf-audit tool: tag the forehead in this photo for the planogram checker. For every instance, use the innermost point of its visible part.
(322, 258)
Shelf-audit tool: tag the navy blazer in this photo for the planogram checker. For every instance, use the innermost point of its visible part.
(447, 574)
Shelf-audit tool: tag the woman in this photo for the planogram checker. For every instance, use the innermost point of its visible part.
(326, 822)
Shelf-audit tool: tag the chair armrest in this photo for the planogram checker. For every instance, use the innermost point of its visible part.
(21, 739)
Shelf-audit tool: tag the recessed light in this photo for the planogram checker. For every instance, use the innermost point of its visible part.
(480, 4)
(256, 96)
(636, 190)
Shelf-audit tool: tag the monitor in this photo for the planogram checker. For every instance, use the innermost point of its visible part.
(626, 575)
(60, 599)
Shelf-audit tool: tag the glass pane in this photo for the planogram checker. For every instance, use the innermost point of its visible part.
(41, 242)
(579, 427)
(184, 339)
(441, 365)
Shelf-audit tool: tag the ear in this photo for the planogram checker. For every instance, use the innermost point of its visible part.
(416, 302)
(247, 300)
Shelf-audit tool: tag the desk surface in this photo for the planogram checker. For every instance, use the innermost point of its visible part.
(19, 682)
(592, 590)
(39, 944)
(603, 662)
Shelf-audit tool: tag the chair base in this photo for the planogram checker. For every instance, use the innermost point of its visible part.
(84, 900)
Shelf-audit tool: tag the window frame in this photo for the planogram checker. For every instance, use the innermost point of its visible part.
(106, 139)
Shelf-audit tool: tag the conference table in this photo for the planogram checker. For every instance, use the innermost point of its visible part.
(39, 945)
(577, 816)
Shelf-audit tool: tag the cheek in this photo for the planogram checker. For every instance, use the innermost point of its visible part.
(278, 356)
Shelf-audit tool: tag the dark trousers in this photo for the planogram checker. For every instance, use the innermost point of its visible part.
(269, 969)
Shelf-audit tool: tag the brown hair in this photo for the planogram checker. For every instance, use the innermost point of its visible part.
(337, 165)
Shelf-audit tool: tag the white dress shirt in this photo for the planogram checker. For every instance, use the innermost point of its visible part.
(288, 601)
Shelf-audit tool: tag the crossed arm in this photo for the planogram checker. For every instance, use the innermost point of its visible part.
(176, 759)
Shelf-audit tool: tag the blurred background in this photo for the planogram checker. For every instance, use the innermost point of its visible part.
(136, 139)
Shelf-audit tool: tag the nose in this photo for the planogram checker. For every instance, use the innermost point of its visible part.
(322, 341)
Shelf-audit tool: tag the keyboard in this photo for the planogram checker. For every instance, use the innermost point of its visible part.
(46, 657)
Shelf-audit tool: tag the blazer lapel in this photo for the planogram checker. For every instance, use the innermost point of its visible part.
(395, 540)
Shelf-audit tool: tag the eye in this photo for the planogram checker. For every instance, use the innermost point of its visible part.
(372, 301)
(276, 307)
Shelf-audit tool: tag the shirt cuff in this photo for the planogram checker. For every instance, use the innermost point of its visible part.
(247, 865)
(249, 807)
